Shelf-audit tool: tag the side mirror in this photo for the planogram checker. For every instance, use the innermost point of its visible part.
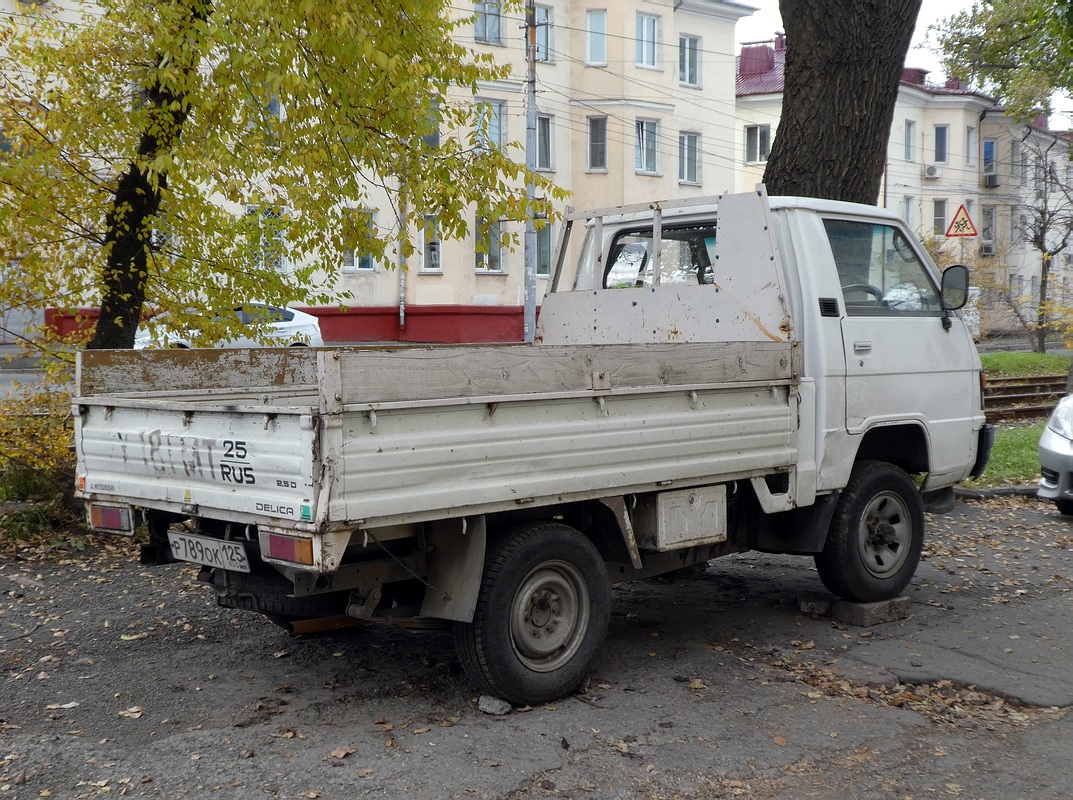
(955, 289)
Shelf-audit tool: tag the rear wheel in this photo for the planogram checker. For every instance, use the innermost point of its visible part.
(541, 615)
(874, 544)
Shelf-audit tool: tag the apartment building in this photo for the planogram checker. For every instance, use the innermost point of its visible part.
(949, 148)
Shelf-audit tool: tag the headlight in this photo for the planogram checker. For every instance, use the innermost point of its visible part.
(1061, 421)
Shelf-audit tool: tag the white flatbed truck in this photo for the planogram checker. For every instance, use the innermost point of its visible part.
(709, 377)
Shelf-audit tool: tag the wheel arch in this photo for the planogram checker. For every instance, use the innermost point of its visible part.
(903, 444)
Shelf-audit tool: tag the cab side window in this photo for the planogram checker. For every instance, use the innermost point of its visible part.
(880, 272)
(686, 257)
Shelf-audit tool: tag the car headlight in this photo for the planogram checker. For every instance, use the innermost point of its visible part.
(1061, 421)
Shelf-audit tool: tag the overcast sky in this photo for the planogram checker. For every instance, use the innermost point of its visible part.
(762, 25)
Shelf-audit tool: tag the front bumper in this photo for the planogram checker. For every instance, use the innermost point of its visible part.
(1056, 464)
(984, 444)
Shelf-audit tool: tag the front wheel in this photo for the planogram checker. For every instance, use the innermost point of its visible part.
(541, 615)
(876, 536)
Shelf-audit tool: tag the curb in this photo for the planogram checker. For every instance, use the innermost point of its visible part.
(1001, 491)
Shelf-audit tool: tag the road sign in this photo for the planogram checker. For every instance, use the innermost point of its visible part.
(961, 225)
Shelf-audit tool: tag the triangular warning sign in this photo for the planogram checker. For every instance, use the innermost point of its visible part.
(961, 225)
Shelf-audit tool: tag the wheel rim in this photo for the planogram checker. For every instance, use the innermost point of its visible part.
(549, 616)
(886, 533)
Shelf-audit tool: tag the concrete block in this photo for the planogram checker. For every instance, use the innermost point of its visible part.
(818, 605)
(865, 615)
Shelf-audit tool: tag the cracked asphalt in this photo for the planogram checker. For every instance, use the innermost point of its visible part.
(125, 680)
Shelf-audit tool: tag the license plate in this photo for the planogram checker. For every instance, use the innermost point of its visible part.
(208, 551)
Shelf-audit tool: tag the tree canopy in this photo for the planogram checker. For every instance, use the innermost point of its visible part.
(1019, 51)
(165, 154)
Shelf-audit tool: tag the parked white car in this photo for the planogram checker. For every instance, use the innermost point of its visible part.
(287, 327)
(1056, 457)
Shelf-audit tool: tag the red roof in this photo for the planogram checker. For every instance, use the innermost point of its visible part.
(761, 68)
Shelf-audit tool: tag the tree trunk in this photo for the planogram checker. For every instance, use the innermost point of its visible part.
(1042, 320)
(843, 66)
(138, 193)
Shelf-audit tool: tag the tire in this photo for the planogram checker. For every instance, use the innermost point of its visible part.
(1064, 506)
(874, 544)
(541, 615)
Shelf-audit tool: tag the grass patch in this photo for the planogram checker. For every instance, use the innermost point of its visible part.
(1010, 365)
(1014, 460)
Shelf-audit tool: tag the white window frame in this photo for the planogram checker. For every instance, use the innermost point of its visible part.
(908, 207)
(352, 260)
(990, 167)
(646, 134)
(689, 61)
(910, 152)
(688, 145)
(488, 25)
(939, 222)
(490, 112)
(988, 221)
(596, 37)
(545, 153)
(545, 21)
(648, 41)
(492, 236)
(762, 150)
(971, 144)
(591, 143)
(262, 258)
(431, 246)
(945, 154)
(544, 248)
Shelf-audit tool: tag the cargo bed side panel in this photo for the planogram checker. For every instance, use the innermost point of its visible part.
(446, 461)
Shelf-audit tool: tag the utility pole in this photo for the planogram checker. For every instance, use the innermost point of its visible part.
(530, 243)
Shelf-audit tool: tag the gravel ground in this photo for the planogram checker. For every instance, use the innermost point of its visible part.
(120, 679)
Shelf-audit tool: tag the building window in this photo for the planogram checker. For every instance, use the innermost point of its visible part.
(942, 133)
(647, 41)
(645, 154)
(908, 206)
(354, 259)
(1017, 167)
(268, 235)
(543, 241)
(596, 38)
(938, 225)
(970, 146)
(990, 157)
(489, 249)
(757, 143)
(910, 140)
(597, 143)
(489, 124)
(430, 240)
(543, 33)
(544, 138)
(688, 147)
(987, 224)
(689, 60)
(487, 23)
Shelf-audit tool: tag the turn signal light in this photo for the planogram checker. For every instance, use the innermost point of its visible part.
(290, 548)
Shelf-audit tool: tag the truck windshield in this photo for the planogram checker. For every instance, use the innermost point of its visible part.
(687, 254)
(880, 272)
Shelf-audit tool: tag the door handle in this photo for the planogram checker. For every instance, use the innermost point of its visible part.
(862, 347)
